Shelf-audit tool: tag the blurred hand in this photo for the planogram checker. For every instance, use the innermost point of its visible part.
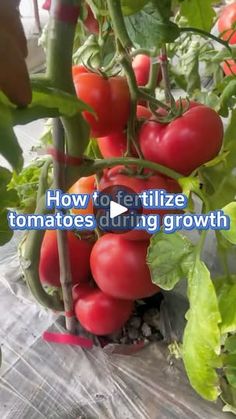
(14, 77)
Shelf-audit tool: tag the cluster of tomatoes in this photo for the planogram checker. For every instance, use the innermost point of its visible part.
(226, 27)
(110, 274)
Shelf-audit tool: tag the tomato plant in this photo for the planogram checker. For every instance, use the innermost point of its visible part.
(98, 71)
(129, 7)
(229, 67)
(226, 23)
(79, 253)
(109, 98)
(80, 291)
(119, 268)
(115, 145)
(142, 65)
(117, 176)
(101, 314)
(185, 143)
(90, 22)
(84, 185)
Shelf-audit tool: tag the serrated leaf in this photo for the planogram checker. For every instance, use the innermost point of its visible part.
(201, 341)
(147, 30)
(169, 259)
(199, 13)
(5, 232)
(50, 97)
(9, 146)
(230, 235)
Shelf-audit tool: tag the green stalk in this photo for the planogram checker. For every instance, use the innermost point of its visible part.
(31, 265)
(59, 65)
(99, 165)
(114, 7)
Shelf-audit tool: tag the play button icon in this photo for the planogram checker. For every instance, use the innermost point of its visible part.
(116, 209)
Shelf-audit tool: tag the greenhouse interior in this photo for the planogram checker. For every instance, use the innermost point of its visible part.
(117, 209)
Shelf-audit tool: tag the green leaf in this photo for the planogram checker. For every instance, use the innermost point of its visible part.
(26, 184)
(8, 199)
(129, 7)
(230, 344)
(220, 180)
(9, 146)
(229, 363)
(92, 150)
(227, 297)
(53, 98)
(147, 30)
(89, 53)
(201, 342)
(190, 64)
(228, 98)
(5, 232)
(199, 13)
(169, 258)
(228, 396)
(230, 235)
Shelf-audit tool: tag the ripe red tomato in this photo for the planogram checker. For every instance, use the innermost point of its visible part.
(115, 145)
(79, 253)
(90, 22)
(229, 67)
(186, 142)
(101, 314)
(114, 177)
(141, 65)
(77, 70)
(226, 21)
(85, 185)
(110, 99)
(80, 290)
(119, 268)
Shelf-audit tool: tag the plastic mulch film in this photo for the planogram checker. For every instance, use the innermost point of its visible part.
(42, 380)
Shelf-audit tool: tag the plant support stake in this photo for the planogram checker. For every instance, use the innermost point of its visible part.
(64, 262)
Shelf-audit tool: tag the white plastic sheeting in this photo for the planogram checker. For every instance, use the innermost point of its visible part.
(42, 380)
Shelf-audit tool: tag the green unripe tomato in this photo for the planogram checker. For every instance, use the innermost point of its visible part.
(129, 7)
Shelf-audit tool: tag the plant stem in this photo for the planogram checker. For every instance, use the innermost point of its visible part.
(133, 88)
(126, 161)
(153, 76)
(206, 35)
(114, 7)
(62, 241)
(43, 183)
(165, 76)
(60, 44)
(30, 264)
(149, 98)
